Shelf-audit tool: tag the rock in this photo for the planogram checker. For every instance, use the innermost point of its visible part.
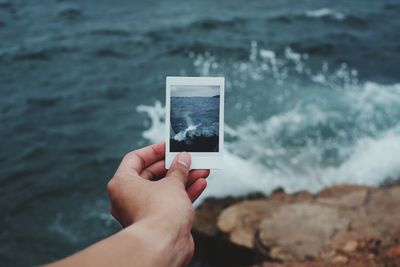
(280, 196)
(340, 259)
(345, 225)
(205, 221)
(393, 252)
(302, 230)
(240, 221)
(350, 246)
(280, 253)
(344, 196)
(212, 247)
(383, 211)
(359, 228)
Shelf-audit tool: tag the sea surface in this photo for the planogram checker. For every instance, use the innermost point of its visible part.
(195, 116)
(312, 99)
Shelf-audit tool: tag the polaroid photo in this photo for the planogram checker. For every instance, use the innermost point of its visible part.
(195, 120)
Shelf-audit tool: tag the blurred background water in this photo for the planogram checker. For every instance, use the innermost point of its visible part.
(312, 99)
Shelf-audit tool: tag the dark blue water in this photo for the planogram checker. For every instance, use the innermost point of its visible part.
(194, 124)
(200, 112)
(312, 99)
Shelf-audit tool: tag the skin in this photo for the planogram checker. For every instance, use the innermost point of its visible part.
(154, 206)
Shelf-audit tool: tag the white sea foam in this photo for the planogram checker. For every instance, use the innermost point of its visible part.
(361, 143)
(325, 12)
(370, 161)
(182, 135)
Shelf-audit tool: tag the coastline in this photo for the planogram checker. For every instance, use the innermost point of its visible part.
(343, 225)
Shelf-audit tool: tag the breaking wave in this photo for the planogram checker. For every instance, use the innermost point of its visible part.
(325, 12)
(318, 127)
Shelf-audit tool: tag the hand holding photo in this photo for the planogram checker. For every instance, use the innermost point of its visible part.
(194, 119)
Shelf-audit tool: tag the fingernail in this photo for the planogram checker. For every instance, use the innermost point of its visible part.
(184, 159)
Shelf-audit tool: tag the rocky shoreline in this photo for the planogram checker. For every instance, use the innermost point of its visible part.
(344, 225)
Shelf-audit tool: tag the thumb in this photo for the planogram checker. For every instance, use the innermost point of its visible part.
(180, 167)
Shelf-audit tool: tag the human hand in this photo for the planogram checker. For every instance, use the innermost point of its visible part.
(143, 190)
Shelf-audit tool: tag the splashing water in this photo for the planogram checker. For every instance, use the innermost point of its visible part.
(182, 135)
(298, 127)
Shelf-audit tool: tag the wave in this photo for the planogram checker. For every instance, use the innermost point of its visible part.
(327, 127)
(211, 24)
(110, 32)
(324, 15)
(197, 25)
(70, 13)
(31, 52)
(325, 12)
(370, 161)
(43, 101)
(108, 52)
(182, 134)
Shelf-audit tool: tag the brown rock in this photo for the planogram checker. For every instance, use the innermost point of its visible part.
(341, 190)
(383, 212)
(205, 221)
(340, 259)
(393, 252)
(350, 246)
(344, 196)
(360, 228)
(243, 236)
(302, 196)
(341, 238)
(280, 253)
(340, 226)
(240, 221)
(301, 229)
(280, 196)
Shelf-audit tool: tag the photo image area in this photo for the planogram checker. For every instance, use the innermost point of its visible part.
(194, 118)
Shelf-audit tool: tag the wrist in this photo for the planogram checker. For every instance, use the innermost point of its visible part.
(161, 244)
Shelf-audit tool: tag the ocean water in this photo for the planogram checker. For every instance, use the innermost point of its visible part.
(194, 124)
(312, 99)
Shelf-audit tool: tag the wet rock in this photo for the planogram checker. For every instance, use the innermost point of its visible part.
(211, 247)
(383, 211)
(394, 252)
(206, 215)
(343, 225)
(350, 246)
(344, 196)
(340, 259)
(241, 220)
(301, 230)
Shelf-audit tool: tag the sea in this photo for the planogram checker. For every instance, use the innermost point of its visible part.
(195, 116)
(312, 100)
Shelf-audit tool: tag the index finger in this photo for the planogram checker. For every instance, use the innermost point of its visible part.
(134, 162)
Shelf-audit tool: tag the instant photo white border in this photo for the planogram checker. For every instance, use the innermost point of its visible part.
(200, 160)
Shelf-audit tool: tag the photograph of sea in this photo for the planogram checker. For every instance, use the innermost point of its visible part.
(194, 118)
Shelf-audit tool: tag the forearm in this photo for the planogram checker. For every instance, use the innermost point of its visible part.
(142, 244)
